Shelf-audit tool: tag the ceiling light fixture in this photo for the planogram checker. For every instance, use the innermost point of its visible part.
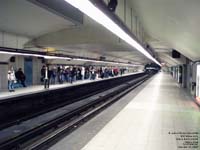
(64, 58)
(35, 55)
(96, 14)
(56, 57)
(18, 53)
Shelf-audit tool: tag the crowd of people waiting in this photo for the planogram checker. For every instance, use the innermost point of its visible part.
(70, 74)
(15, 77)
(61, 74)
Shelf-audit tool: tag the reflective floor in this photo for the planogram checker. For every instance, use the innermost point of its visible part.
(160, 117)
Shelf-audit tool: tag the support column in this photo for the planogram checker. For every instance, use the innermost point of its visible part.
(4, 59)
(3, 75)
(184, 78)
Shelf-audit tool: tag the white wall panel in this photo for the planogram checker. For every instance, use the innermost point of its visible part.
(120, 9)
(37, 65)
(1, 39)
(12, 40)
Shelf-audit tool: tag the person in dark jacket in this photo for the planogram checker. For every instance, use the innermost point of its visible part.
(20, 76)
(47, 77)
(74, 73)
(42, 73)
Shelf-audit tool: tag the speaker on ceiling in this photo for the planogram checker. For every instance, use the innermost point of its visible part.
(112, 5)
(175, 54)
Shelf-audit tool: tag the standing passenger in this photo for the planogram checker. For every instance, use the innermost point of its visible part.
(59, 74)
(21, 77)
(70, 75)
(11, 79)
(46, 78)
(83, 73)
(53, 81)
(93, 74)
(74, 74)
(42, 73)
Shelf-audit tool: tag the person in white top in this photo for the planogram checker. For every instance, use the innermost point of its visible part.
(46, 77)
(83, 73)
(11, 79)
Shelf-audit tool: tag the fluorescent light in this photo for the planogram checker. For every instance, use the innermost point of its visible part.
(64, 58)
(93, 12)
(35, 55)
(22, 54)
(56, 57)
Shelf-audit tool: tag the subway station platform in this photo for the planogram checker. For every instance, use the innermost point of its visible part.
(40, 88)
(154, 116)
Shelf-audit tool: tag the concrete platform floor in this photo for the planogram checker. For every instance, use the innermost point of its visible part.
(39, 88)
(158, 115)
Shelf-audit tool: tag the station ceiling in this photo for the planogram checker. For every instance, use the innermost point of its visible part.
(24, 18)
(169, 24)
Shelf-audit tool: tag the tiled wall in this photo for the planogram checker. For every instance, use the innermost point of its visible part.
(15, 41)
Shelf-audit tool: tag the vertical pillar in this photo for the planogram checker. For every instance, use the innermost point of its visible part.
(3, 75)
(4, 59)
(184, 77)
(37, 65)
(189, 77)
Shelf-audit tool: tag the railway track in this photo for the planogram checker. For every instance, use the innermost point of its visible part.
(42, 131)
(34, 104)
